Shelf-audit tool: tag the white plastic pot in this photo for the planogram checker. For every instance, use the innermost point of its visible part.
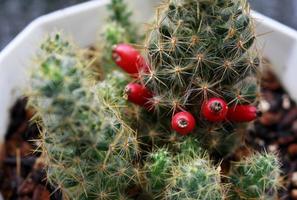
(82, 23)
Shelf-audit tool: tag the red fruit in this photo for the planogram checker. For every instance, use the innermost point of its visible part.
(215, 110)
(129, 59)
(138, 94)
(242, 113)
(183, 123)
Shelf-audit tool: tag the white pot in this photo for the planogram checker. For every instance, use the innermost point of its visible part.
(82, 23)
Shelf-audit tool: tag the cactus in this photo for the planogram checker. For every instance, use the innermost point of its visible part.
(120, 18)
(195, 179)
(188, 175)
(256, 177)
(99, 146)
(158, 167)
(199, 50)
(85, 140)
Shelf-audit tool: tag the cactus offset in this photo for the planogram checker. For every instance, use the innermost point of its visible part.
(196, 179)
(158, 167)
(190, 174)
(256, 177)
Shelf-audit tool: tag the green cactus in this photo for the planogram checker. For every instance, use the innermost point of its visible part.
(86, 141)
(120, 18)
(195, 179)
(199, 50)
(98, 146)
(188, 175)
(256, 177)
(158, 167)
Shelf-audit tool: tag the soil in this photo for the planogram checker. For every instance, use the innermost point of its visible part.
(276, 130)
(22, 174)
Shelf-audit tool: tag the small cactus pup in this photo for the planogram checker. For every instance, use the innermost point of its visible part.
(188, 175)
(197, 178)
(256, 177)
(158, 165)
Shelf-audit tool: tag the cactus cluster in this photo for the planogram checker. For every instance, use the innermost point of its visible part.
(97, 145)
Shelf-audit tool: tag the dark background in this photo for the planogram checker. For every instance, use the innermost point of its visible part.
(16, 14)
